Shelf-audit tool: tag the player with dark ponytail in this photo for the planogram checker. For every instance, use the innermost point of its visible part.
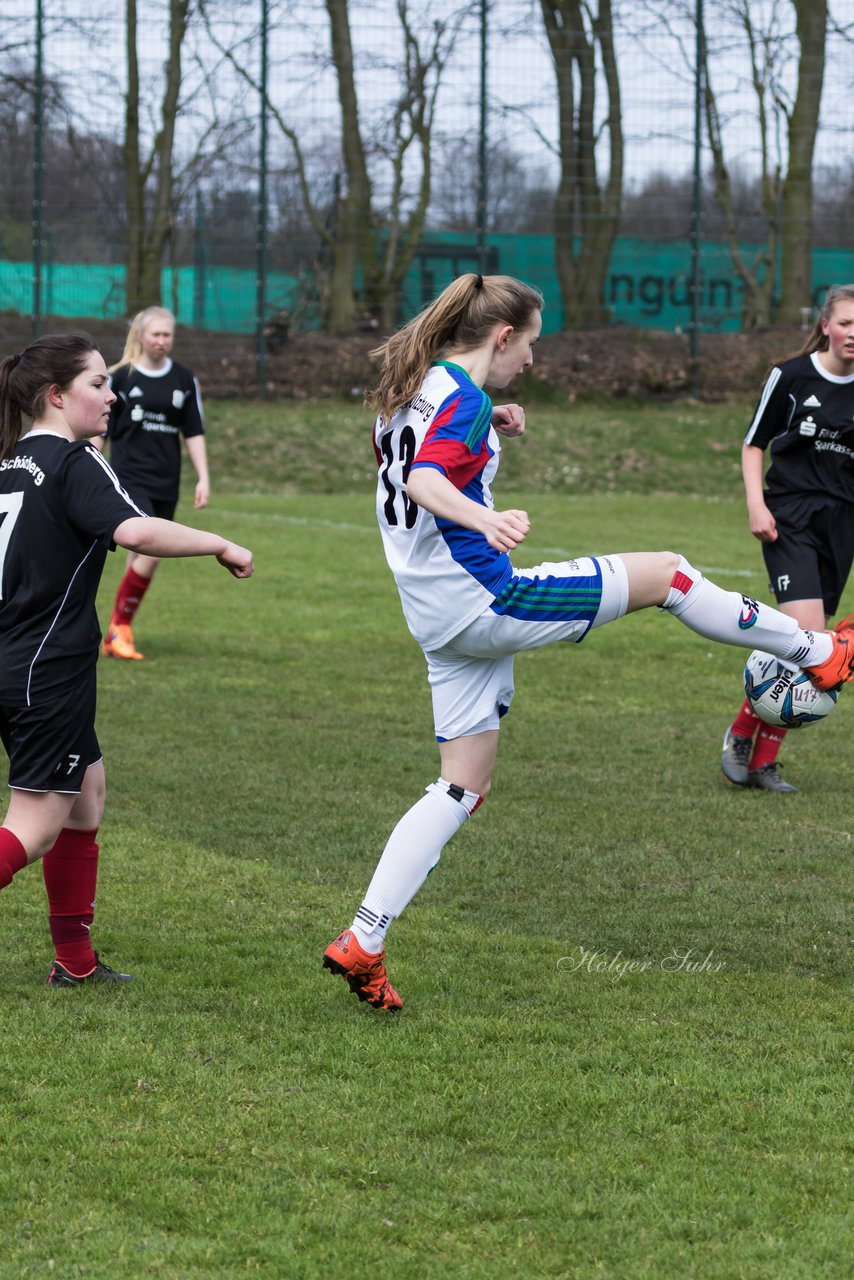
(62, 509)
(471, 611)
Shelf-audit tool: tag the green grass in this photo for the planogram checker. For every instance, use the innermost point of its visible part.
(236, 1113)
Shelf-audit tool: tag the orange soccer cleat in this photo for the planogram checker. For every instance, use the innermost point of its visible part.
(839, 667)
(118, 642)
(365, 973)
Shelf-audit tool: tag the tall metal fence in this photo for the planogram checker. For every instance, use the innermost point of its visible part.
(241, 251)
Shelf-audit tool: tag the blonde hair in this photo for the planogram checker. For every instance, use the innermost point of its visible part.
(460, 318)
(818, 340)
(138, 325)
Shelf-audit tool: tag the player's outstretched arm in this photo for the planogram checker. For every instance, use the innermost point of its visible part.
(150, 536)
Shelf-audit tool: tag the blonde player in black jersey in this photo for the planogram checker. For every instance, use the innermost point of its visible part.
(62, 509)
(803, 513)
(157, 402)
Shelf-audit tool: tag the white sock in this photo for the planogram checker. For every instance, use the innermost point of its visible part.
(412, 851)
(732, 618)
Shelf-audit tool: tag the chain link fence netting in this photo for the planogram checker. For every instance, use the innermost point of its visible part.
(246, 223)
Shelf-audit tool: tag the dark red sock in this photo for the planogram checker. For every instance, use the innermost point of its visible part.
(129, 596)
(13, 856)
(767, 746)
(70, 875)
(746, 723)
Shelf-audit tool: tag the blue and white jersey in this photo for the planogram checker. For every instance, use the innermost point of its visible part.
(446, 575)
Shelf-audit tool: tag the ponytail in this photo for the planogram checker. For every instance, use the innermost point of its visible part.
(461, 317)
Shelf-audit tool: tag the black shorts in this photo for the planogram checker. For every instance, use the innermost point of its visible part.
(163, 508)
(51, 745)
(812, 557)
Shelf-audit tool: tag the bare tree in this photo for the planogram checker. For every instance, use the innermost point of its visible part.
(521, 194)
(787, 129)
(797, 194)
(587, 208)
(149, 221)
(370, 236)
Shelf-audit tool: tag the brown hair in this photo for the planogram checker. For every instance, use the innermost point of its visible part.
(461, 317)
(133, 342)
(26, 377)
(819, 341)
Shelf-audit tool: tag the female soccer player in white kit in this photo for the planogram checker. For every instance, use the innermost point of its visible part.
(437, 452)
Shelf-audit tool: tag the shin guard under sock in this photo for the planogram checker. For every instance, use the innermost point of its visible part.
(70, 876)
(129, 596)
(13, 856)
(412, 851)
(731, 618)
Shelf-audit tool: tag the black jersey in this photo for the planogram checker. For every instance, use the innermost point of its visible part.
(805, 417)
(152, 412)
(60, 503)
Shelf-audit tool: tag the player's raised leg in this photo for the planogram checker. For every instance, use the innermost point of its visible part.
(668, 580)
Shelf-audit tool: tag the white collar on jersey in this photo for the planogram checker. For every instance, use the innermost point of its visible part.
(43, 431)
(841, 379)
(155, 373)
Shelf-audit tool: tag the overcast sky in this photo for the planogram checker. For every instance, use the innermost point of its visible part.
(85, 38)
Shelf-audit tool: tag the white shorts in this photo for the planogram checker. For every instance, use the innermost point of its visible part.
(471, 677)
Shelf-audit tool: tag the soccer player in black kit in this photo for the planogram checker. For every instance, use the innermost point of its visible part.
(62, 509)
(804, 513)
(157, 403)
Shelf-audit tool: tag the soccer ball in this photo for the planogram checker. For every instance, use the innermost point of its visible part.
(783, 694)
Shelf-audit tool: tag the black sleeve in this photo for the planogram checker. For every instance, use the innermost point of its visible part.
(92, 494)
(773, 413)
(193, 423)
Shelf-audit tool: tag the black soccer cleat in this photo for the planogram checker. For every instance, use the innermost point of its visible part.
(60, 977)
(735, 758)
(768, 779)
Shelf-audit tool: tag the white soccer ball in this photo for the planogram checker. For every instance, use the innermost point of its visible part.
(783, 694)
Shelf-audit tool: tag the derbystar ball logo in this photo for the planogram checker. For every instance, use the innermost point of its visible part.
(749, 613)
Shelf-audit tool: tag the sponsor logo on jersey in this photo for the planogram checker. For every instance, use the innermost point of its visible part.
(808, 427)
(749, 614)
(137, 413)
(812, 402)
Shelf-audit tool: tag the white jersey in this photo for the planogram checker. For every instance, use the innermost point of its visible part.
(446, 575)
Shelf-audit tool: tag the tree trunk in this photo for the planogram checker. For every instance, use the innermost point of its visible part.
(134, 177)
(586, 214)
(796, 232)
(149, 228)
(353, 242)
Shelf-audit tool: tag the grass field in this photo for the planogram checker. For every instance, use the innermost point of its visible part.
(626, 1050)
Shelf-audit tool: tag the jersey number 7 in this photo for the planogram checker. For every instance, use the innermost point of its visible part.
(10, 509)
